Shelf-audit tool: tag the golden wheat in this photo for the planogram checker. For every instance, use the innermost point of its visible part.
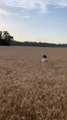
(29, 89)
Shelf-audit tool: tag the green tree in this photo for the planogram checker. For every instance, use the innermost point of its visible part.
(5, 38)
(0, 35)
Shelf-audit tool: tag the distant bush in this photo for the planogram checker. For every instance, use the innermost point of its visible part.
(38, 44)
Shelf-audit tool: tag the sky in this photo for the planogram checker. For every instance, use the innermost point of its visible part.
(35, 20)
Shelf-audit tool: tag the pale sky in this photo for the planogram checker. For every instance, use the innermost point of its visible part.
(35, 20)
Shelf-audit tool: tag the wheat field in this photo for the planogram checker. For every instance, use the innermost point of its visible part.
(29, 89)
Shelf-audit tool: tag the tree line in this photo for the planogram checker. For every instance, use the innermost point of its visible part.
(8, 40)
(38, 44)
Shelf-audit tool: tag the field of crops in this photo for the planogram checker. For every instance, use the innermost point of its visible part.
(30, 89)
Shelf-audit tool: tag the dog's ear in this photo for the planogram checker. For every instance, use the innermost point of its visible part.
(45, 56)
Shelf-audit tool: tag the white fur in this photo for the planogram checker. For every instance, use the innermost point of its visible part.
(43, 59)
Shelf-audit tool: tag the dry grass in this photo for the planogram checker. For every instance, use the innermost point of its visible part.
(29, 89)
